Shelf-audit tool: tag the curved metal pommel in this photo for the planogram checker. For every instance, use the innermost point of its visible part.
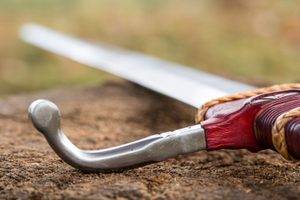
(45, 116)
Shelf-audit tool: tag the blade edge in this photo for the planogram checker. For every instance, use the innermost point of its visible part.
(168, 78)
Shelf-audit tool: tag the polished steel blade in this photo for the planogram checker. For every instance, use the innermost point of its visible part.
(179, 82)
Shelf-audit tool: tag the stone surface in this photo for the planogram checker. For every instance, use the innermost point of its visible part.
(119, 112)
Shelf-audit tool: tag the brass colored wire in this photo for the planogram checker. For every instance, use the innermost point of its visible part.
(202, 111)
(278, 132)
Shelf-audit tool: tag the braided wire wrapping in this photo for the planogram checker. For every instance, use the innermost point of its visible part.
(278, 129)
(200, 116)
(278, 132)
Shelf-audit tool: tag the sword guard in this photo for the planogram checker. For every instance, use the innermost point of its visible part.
(45, 117)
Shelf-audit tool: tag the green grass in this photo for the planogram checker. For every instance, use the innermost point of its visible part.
(253, 41)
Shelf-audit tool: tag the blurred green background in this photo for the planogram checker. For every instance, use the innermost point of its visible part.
(248, 40)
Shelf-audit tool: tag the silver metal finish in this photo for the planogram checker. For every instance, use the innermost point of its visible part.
(184, 84)
(46, 118)
(179, 82)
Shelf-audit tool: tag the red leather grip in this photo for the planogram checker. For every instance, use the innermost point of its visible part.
(292, 134)
(268, 116)
(248, 123)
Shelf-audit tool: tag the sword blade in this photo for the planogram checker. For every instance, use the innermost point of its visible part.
(177, 81)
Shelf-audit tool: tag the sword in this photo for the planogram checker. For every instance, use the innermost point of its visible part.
(187, 85)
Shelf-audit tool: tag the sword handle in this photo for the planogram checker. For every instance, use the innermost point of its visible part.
(277, 125)
(267, 121)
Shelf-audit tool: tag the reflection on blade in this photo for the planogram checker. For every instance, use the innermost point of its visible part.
(179, 82)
